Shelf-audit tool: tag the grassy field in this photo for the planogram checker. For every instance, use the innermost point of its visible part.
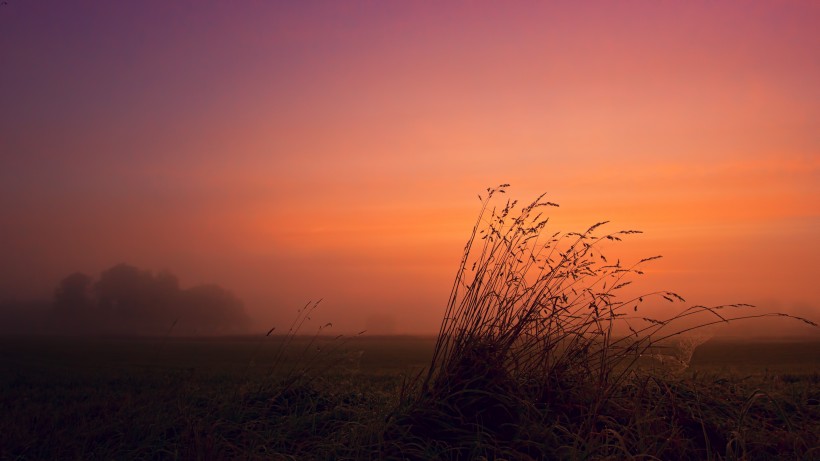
(238, 398)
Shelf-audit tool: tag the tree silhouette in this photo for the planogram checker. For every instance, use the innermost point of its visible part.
(212, 308)
(131, 300)
(124, 292)
(73, 297)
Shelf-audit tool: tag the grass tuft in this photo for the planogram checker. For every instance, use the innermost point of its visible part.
(530, 350)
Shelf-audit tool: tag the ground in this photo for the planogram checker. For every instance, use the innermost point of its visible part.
(252, 398)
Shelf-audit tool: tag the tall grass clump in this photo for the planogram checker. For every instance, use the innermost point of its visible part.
(538, 348)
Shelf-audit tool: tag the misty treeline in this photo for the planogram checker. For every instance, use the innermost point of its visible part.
(129, 300)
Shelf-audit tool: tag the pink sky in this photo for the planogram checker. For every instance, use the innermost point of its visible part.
(292, 152)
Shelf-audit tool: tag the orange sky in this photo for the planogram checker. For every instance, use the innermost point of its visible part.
(292, 152)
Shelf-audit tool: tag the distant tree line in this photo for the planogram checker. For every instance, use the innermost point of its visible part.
(127, 299)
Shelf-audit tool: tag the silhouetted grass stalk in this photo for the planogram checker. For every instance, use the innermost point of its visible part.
(531, 320)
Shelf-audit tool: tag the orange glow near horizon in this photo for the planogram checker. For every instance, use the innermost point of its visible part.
(293, 152)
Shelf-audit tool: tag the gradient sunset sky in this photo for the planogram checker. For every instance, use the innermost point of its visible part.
(292, 151)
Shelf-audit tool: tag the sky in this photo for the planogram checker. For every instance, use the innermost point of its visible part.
(291, 151)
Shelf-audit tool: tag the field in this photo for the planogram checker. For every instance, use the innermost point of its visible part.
(240, 398)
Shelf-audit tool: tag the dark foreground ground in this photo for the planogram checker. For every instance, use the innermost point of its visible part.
(250, 398)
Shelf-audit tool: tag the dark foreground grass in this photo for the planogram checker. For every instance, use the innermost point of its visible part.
(198, 399)
(195, 399)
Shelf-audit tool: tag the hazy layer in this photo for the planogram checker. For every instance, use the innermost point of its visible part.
(291, 152)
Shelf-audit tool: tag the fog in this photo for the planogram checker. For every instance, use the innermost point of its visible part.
(371, 296)
(288, 152)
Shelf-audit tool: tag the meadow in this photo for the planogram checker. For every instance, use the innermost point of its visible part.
(224, 398)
